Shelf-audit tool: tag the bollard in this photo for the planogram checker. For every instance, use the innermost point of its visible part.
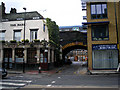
(39, 69)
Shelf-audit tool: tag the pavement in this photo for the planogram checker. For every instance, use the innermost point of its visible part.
(66, 86)
(103, 72)
(59, 69)
(52, 71)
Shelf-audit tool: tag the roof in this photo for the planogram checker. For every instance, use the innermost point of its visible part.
(62, 27)
(20, 16)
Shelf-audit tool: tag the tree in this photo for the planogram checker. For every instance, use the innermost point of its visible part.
(53, 30)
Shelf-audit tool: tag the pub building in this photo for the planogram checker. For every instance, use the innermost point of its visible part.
(34, 51)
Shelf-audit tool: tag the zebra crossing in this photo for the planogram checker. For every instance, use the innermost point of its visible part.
(13, 84)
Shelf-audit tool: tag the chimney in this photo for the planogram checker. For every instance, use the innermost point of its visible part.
(13, 10)
(2, 10)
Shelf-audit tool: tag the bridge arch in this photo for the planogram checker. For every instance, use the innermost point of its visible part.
(71, 46)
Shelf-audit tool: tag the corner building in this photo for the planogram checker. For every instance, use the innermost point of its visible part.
(13, 52)
(103, 35)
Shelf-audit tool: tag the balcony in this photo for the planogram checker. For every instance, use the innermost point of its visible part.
(84, 17)
(84, 26)
(83, 6)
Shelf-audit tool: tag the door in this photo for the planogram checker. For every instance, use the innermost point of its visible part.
(7, 60)
(31, 56)
(43, 59)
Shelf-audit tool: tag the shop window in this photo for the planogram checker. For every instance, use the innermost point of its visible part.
(105, 59)
(100, 32)
(33, 35)
(17, 35)
(2, 36)
(99, 11)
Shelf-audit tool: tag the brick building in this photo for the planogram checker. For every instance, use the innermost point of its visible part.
(103, 35)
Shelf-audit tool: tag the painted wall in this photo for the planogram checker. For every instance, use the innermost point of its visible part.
(30, 24)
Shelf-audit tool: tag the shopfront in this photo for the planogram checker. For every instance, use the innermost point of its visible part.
(105, 56)
(7, 59)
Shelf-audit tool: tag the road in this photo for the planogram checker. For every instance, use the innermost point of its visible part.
(73, 75)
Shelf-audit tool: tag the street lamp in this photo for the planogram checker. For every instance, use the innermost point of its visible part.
(24, 41)
(24, 23)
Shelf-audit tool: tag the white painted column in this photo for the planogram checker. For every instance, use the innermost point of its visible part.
(1, 57)
(49, 56)
(38, 55)
(25, 55)
(52, 55)
(13, 55)
(60, 52)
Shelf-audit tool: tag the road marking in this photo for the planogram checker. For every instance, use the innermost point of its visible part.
(49, 85)
(75, 72)
(59, 71)
(14, 84)
(8, 87)
(59, 77)
(53, 81)
(18, 81)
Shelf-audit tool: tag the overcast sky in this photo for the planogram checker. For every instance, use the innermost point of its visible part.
(64, 12)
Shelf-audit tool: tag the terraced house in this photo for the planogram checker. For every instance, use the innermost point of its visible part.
(24, 38)
(103, 21)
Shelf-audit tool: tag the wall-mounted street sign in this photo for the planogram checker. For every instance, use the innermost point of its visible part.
(16, 24)
(104, 47)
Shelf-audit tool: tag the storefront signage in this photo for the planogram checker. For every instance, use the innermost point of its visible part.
(104, 47)
(16, 24)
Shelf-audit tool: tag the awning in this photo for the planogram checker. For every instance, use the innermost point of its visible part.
(101, 22)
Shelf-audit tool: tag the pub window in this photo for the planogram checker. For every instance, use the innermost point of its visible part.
(2, 35)
(33, 34)
(100, 32)
(99, 11)
(17, 35)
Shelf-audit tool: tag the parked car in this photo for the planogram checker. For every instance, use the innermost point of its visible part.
(3, 72)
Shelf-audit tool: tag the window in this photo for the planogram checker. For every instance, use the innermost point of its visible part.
(105, 59)
(2, 36)
(44, 27)
(75, 28)
(36, 17)
(98, 11)
(17, 35)
(100, 32)
(33, 35)
(19, 18)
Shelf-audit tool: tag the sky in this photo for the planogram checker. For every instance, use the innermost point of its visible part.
(63, 12)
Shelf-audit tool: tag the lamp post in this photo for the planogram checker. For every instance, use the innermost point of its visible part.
(24, 23)
(24, 41)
